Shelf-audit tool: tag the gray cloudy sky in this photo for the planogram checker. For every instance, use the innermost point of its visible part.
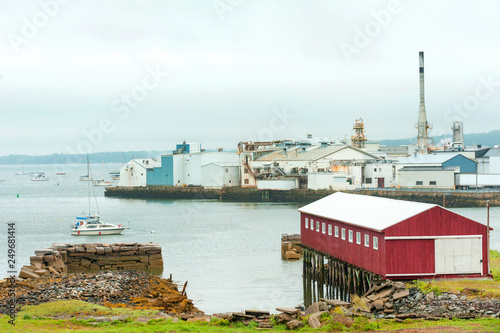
(92, 75)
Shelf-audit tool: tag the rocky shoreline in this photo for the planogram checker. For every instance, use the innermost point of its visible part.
(139, 290)
(135, 289)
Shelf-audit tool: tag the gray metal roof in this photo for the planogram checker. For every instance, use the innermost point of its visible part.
(428, 168)
(310, 154)
(492, 152)
(428, 158)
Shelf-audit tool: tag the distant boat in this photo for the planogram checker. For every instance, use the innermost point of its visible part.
(60, 173)
(2, 180)
(85, 178)
(38, 177)
(101, 182)
(22, 173)
(115, 174)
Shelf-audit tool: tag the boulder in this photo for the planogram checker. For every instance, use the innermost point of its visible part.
(294, 324)
(27, 273)
(313, 320)
(290, 311)
(283, 318)
(401, 294)
(316, 307)
(257, 313)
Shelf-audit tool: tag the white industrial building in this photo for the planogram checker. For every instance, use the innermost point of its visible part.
(134, 173)
(433, 170)
(287, 164)
(220, 174)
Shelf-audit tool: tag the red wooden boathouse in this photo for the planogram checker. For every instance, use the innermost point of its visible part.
(395, 239)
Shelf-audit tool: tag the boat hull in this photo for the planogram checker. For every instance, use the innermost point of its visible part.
(86, 232)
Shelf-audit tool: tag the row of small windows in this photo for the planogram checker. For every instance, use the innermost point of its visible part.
(420, 182)
(342, 236)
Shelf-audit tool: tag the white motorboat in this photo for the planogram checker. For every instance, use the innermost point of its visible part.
(39, 177)
(2, 180)
(91, 226)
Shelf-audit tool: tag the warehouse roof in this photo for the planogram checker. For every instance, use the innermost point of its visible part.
(428, 158)
(365, 211)
(311, 153)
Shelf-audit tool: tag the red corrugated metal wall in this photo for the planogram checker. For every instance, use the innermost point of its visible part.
(357, 254)
(414, 256)
(393, 256)
(439, 222)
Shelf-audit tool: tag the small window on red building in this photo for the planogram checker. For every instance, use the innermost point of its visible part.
(343, 233)
(329, 230)
(358, 238)
(351, 236)
(375, 243)
(306, 223)
(367, 240)
(323, 227)
(336, 231)
(317, 226)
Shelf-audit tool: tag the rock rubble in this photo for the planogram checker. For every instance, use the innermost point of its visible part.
(113, 288)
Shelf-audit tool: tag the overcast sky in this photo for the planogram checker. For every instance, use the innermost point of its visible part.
(93, 75)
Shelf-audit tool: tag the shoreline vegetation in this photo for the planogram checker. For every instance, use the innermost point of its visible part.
(445, 198)
(81, 316)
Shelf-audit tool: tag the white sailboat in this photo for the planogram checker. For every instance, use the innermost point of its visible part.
(90, 225)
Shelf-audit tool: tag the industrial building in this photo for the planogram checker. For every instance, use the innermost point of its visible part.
(433, 170)
(187, 165)
(134, 173)
(395, 239)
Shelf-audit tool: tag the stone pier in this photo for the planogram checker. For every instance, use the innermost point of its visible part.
(94, 257)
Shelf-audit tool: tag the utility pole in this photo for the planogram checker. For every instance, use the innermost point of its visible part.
(488, 233)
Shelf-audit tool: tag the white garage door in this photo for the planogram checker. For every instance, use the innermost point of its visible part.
(458, 255)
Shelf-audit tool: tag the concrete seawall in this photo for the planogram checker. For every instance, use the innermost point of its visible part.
(238, 194)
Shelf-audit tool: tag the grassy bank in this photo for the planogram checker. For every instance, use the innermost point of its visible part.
(79, 316)
(470, 287)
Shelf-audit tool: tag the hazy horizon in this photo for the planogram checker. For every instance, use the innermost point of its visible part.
(93, 76)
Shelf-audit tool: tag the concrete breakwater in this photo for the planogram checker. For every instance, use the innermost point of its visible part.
(444, 198)
(93, 257)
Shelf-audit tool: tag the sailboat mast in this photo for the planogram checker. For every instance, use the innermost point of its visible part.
(88, 182)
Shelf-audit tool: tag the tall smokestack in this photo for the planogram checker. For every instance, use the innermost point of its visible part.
(422, 126)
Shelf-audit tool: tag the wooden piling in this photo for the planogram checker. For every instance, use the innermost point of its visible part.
(325, 276)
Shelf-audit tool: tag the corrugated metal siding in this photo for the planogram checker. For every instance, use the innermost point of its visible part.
(353, 253)
(466, 165)
(161, 175)
(414, 256)
(406, 256)
(440, 222)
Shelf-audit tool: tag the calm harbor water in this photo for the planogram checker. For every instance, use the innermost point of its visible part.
(229, 252)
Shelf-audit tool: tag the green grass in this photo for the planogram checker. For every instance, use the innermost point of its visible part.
(76, 307)
(476, 325)
(358, 324)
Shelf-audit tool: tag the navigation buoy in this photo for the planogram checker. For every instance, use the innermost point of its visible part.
(99, 233)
